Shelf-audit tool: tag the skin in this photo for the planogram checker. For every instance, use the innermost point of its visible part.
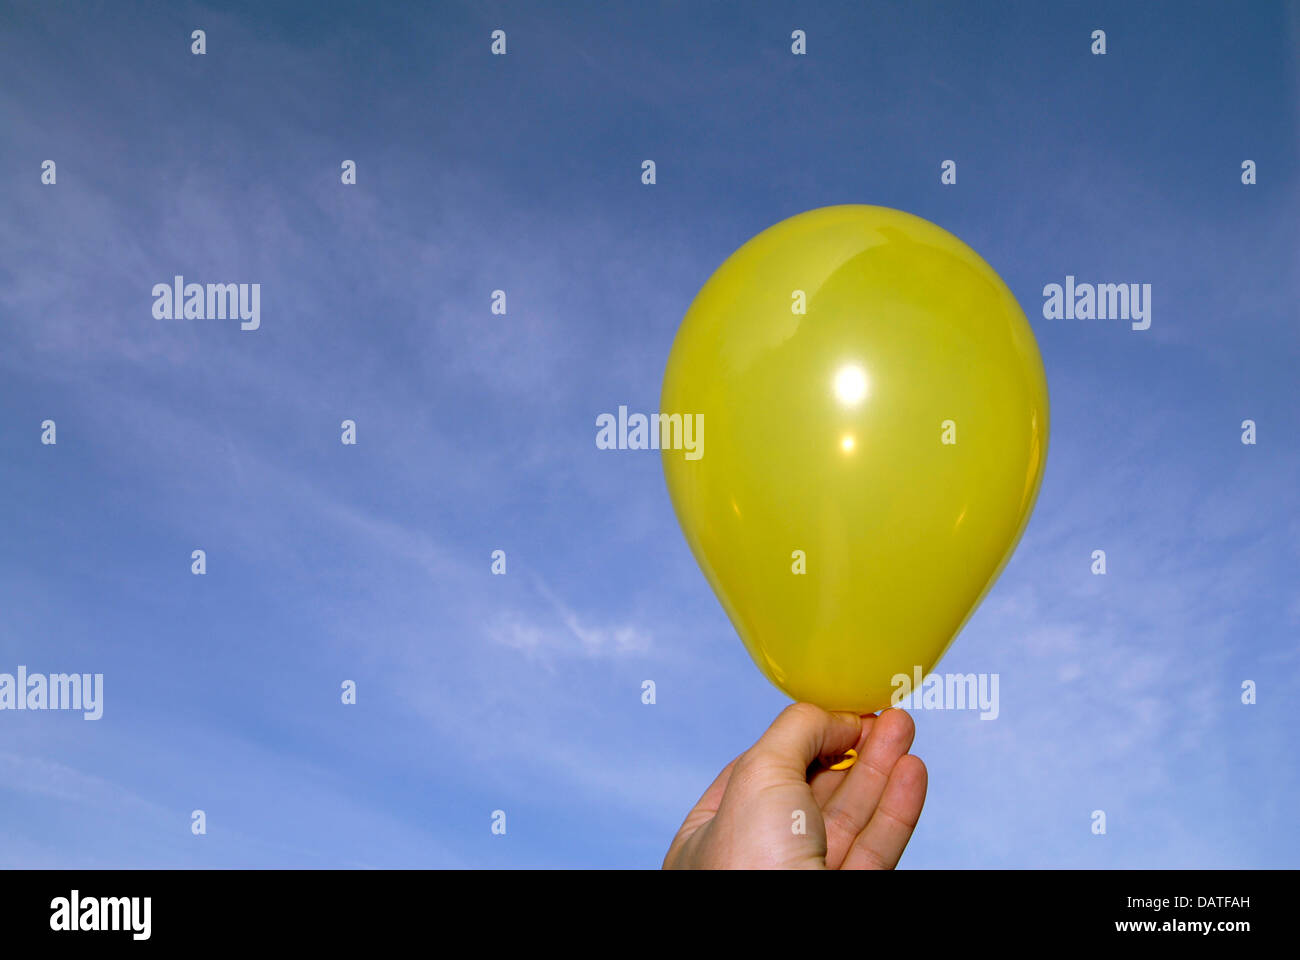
(855, 819)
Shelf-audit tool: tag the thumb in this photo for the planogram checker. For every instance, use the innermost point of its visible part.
(799, 735)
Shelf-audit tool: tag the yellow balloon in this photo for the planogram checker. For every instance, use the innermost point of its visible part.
(877, 424)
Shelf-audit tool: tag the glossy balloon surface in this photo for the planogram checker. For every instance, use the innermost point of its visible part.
(890, 439)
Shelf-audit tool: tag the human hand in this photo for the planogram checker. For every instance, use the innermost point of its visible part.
(855, 819)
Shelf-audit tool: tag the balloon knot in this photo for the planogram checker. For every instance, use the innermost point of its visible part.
(850, 758)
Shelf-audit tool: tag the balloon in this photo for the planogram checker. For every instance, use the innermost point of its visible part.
(877, 423)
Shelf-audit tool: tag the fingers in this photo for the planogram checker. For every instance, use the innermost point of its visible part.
(850, 807)
(799, 735)
(879, 846)
(824, 781)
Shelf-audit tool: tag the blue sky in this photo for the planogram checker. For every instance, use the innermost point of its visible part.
(476, 432)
